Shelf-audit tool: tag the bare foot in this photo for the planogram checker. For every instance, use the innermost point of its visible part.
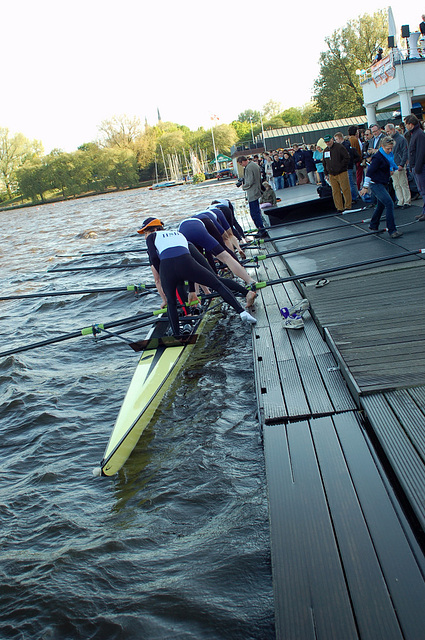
(251, 295)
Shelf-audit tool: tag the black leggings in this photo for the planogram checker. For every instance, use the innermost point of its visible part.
(173, 271)
(234, 285)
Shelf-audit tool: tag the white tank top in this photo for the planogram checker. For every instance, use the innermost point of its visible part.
(169, 240)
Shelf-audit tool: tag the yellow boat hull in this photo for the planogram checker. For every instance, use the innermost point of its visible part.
(155, 372)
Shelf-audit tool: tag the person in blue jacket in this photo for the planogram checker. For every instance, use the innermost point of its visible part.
(377, 180)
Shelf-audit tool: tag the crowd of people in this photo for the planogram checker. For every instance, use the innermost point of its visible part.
(379, 166)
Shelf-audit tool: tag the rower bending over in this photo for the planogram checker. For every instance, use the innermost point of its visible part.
(229, 236)
(172, 264)
(195, 231)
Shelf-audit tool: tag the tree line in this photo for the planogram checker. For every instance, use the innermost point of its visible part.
(128, 152)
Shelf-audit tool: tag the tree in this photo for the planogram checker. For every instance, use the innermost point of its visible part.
(120, 131)
(337, 89)
(15, 150)
(243, 130)
(271, 109)
(33, 179)
(250, 116)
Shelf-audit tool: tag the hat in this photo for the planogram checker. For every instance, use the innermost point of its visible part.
(150, 222)
(327, 138)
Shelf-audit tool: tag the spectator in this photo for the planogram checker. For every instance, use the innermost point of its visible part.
(353, 137)
(417, 156)
(268, 197)
(375, 141)
(335, 160)
(289, 168)
(378, 56)
(354, 157)
(399, 177)
(300, 169)
(318, 159)
(268, 170)
(277, 167)
(252, 187)
(310, 165)
(377, 180)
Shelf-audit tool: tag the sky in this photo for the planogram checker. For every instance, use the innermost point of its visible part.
(69, 66)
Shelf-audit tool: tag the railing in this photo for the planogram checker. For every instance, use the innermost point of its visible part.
(397, 56)
(246, 146)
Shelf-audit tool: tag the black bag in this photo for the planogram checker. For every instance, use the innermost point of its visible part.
(324, 191)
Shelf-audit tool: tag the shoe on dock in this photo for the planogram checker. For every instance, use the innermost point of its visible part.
(299, 308)
(293, 322)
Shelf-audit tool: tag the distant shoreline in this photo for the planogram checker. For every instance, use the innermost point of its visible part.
(98, 193)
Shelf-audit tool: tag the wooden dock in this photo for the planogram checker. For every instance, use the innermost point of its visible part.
(341, 405)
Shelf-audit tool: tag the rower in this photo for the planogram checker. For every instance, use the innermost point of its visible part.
(229, 211)
(195, 231)
(172, 263)
(223, 215)
(221, 225)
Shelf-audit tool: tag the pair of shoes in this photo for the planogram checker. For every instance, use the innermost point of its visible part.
(398, 234)
(421, 218)
(247, 317)
(398, 206)
(407, 206)
(293, 322)
(373, 229)
(297, 309)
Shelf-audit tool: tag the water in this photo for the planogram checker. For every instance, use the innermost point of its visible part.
(177, 544)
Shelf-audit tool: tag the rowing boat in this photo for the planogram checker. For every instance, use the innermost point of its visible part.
(161, 360)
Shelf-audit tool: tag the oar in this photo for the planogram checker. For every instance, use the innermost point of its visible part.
(328, 215)
(112, 266)
(99, 253)
(352, 265)
(85, 331)
(365, 234)
(137, 288)
(259, 241)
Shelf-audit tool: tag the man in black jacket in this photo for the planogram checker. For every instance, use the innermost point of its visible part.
(417, 156)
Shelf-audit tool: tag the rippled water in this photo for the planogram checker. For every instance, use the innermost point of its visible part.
(177, 544)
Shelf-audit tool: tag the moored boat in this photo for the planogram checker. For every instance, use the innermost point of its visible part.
(161, 360)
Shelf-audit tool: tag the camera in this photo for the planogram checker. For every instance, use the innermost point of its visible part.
(239, 183)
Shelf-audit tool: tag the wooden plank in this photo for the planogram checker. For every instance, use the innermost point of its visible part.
(293, 390)
(410, 417)
(403, 574)
(269, 392)
(398, 448)
(335, 384)
(311, 598)
(372, 604)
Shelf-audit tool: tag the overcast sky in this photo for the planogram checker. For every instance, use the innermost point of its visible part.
(68, 66)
